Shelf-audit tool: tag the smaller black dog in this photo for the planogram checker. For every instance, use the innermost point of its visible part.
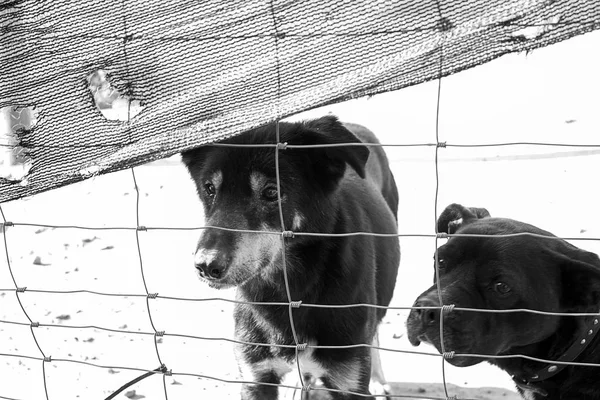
(515, 272)
(335, 189)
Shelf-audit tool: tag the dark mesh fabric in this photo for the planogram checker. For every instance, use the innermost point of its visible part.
(206, 70)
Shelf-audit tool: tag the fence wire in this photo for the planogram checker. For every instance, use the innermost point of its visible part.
(291, 303)
(20, 290)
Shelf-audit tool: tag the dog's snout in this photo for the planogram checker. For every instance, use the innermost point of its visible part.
(209, 265)
(210, 271)
(430, 312)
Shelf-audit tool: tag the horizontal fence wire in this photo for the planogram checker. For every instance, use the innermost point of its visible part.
(316, 146)
(447, 307)
(297, 233)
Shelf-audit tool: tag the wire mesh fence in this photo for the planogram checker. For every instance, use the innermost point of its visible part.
(159, 367)
(149, 297)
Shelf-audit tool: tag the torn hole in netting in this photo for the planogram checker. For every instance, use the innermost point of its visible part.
(15, 124)
(112, 97)
(535, 31)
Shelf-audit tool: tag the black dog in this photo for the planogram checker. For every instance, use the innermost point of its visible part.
(318, 194)
(515, 272)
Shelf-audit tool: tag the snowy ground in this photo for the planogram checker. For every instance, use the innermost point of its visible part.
(550, 96)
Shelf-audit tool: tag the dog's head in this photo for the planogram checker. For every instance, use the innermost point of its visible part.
(501, 273)
(238, 188)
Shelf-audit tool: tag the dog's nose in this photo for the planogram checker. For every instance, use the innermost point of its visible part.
(428, 316)
(208, 264)
(210, 271)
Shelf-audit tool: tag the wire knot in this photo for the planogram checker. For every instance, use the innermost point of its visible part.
(281, 146)
(152, 295)
(449, 354)
(48, 359)
(452, 397)
(164, 370)
(35, 324)
(441, 145)
(159, 333)
(296, 304)
(21, 289)
(441, 235)
(301, 346)
(142, 228)
(287, 234)
(306, 388)
(447, 307)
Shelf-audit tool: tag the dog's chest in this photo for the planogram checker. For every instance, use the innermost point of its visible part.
(528, 395)
(269, 326)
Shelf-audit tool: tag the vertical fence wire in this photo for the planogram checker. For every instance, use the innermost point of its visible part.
(149, 295)
(18, 291)
(139, 227)
(280, 205)
(435, 204)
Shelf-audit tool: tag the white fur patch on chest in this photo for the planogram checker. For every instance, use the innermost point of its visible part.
(528, 394)
(345, 377)
(285, 369)
(308, 365)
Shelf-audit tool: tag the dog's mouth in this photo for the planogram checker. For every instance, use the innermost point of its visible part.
(420, 339)
(416, 338)
(415, 332)
(219, 284)
(236, 276)
(222, 283)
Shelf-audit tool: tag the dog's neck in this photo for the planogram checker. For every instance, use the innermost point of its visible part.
(538, 380)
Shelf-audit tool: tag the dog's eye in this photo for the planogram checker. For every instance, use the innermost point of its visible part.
(210, 189)
(502, 288)
(270, 193)
(441, 262)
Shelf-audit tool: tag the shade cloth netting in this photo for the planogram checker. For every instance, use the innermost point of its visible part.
(201, 71)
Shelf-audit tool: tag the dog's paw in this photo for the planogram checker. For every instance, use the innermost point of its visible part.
(379, 389)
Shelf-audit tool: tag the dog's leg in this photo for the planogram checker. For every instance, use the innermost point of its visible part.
(265, 374)
(264, 371)
(378, 384)
(260, 392)
(350, 374)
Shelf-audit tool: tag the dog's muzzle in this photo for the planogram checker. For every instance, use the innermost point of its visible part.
(209, 265)
(422, 319)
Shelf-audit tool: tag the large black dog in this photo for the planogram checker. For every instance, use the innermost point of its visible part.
(318, 194)
(515, 272)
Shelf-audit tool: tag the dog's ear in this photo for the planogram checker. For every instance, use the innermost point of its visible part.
(580, 279)
(456, 215)
(332, 160)
(194, 159)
